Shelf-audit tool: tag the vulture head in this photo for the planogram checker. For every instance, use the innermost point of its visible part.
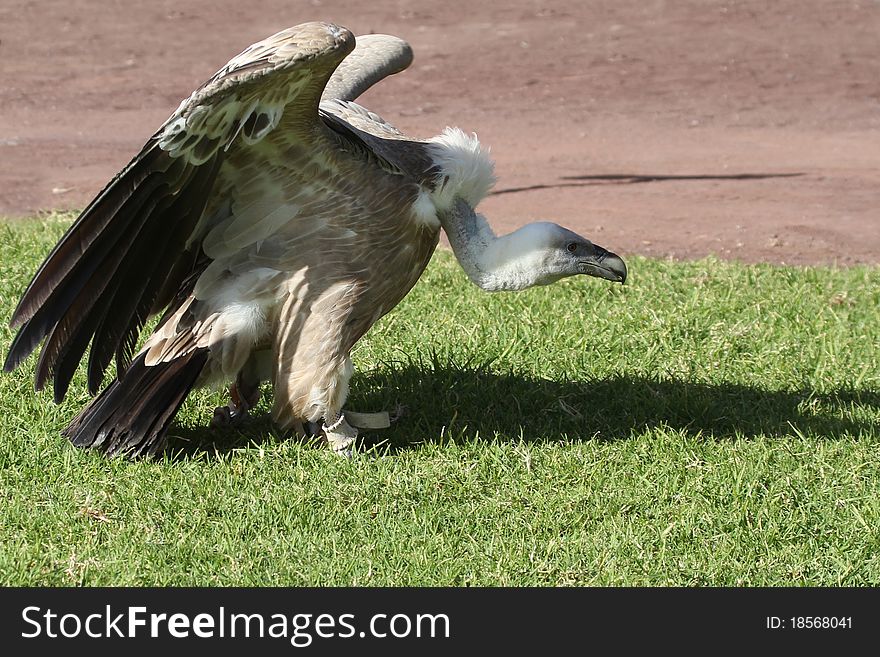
(544, 252)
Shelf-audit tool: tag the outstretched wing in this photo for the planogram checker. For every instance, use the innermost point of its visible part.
(375, 57)
(130, 250)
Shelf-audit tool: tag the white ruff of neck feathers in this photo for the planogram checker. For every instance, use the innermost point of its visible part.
(465, 170)
(465, 173)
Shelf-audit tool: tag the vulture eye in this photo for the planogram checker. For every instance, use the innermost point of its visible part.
(572, 247)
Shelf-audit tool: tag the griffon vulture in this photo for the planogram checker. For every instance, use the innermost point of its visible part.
(272, 221)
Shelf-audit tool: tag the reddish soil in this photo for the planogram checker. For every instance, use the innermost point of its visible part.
(746, 129)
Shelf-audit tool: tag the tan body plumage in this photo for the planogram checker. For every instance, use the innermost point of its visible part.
(342, 247)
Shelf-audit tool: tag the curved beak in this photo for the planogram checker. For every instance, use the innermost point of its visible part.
(604, 264)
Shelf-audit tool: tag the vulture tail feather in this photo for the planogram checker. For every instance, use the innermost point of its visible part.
(132, 415)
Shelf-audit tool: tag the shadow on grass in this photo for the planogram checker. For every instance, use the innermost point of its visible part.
(446, 403)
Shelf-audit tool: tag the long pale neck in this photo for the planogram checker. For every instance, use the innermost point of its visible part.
(493, 263)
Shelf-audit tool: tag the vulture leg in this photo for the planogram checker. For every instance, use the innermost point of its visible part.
(311, 372)
(342, 432)
(243, 396)
(339, 433)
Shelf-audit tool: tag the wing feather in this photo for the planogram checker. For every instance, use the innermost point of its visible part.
(138, 290)
(375, 57)
(131, 249)
(70, 336)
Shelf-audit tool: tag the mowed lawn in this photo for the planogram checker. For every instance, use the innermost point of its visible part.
(708, 423)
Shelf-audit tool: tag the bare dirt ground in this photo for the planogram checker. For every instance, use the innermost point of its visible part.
(746, 129)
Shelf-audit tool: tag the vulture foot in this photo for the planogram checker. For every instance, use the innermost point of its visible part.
(339, 439)
(222, 417)
(340, 435)
(341, 432)
(242, 398)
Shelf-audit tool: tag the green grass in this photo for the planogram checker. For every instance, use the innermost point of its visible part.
(709, 423)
